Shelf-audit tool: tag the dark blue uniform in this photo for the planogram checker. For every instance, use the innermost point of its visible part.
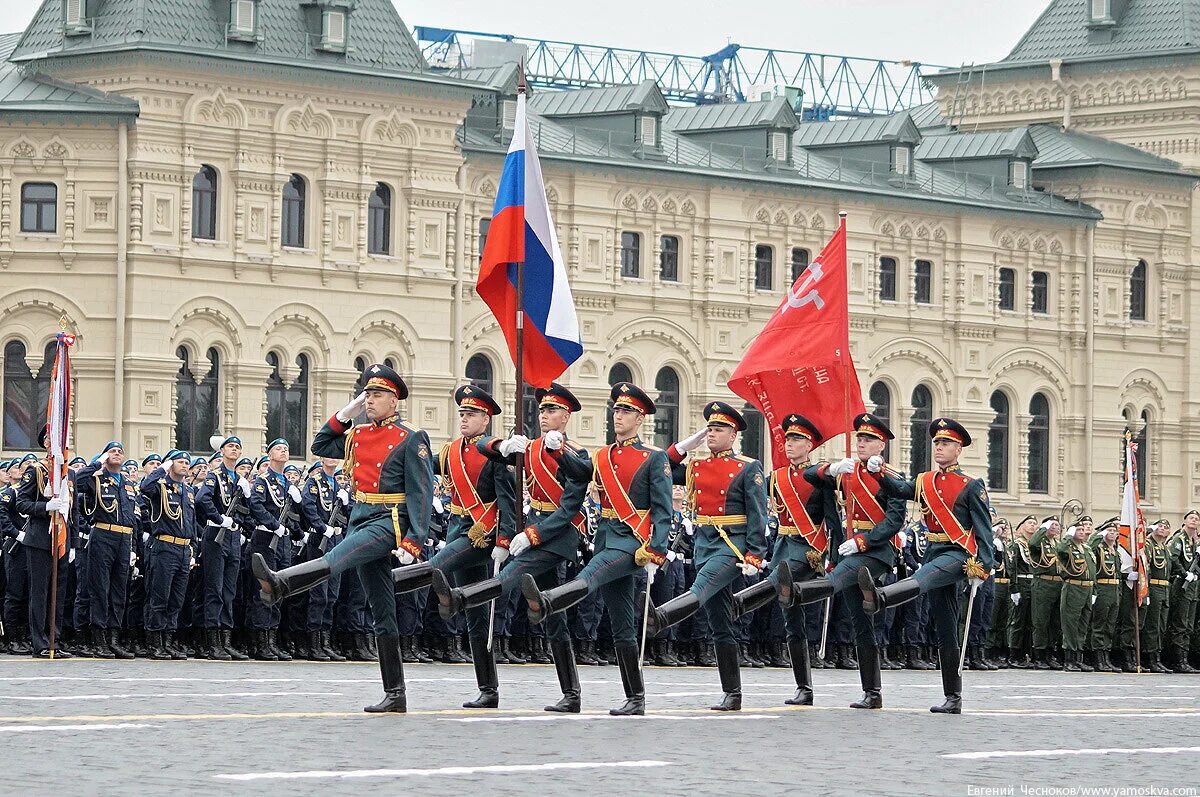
(220, 558)
(172, 523)
(108, 506)
(31, 502)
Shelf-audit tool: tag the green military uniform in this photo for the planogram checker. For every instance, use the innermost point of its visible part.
(1046, 594)
(1108, 602)
(1020, 618)
(1001, 607)
(1154, 617)
(1077, 566)
(1185, 590)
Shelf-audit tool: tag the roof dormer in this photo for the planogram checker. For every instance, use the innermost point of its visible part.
(879, 143)
(75, 18)
(754, 133)
(1003, 156)
(629, 116)
(329, 23)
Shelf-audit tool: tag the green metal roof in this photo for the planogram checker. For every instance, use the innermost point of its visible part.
(774, 113)
(1059, 149)
(928, 117)
(25, 91)
(502, 78)
(1147, 27)
(288, 30)
(1015, 143)
(644, 96)
(897, 128)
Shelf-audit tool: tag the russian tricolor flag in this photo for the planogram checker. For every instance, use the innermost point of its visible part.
(522, 231)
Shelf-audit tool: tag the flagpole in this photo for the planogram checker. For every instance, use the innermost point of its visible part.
(519, 492)
(1131, 468)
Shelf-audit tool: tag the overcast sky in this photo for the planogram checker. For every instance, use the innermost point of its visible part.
(945, 32)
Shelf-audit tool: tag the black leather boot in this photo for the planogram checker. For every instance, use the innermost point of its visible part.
(1081, 660)
(868, 674)
(391, 668)
(410, 578)
(568, 678)
(175, 647)
(845, 657)
(273, 641)
(275, 586)
(797, 593)
(673, 611)
(541, 604)
(100, 648)
(951, 682)
(327, 646)
(631, 680)
(158, 650)
(876, 598)
(731, 677)
(454, 600)
(216, 651)
(1069, 663)
(753, 597)
(485, 676)
(230, 648)
(115, 646)
(315, 651)
(802, 672)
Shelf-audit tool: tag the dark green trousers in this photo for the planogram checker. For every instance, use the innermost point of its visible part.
(1104, 617)
(1046, 613)
(1075, 603)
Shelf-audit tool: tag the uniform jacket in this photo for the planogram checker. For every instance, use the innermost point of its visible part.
(493, 485)
(874, 540)
(31, 502)
(727, 485)
(819, 503)
(969, 508)
(104, 497)
(645, 474)
(172, 506)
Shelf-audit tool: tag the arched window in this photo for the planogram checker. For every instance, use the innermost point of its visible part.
(204, 204)
(1039, 444)
(881, 397)
(1142, 438)
(666, 419)
(479, 372)
(618, 373)
(753, 438)
(998, 434)
(1137, 291)
(295, 193)
(379, 220)
(920, 446)
(287, 405)
(196, 403)
(25, 396)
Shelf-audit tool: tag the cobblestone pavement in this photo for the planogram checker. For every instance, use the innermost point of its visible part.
(138, 727)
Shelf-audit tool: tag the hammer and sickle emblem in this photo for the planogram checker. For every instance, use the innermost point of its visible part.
(806, 293)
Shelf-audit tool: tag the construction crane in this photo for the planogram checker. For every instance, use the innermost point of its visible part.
(822, 85)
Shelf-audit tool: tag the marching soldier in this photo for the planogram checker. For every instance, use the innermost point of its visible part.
(1077, 566)
(108, 504)
(556, 473)
(323, 510)
(874, 521)
(172, 525)
(482, 508)
(1046, 594)
(955, 509)
(389, 463)
(271, 502)
(728, 495)
(1157, 607)
(1020, 573)
(1106, 607)
(633, 480)
(805, 513)
(1185, 589)
(221, 505)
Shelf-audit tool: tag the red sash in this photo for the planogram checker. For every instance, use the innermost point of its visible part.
(860, 493)
(546, 481)
(483, 514)
(812, 533)
(627, 513)
(935, 507)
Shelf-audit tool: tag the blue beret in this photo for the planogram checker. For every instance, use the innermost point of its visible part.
(316, 464)
(278, 441)
(77, 461)
(258, 463)
(214, 456)
(29, 458)
(198, 461)
(110, 445)
(230, 439)
(290, 467)
(244, 461)
(175, 454)
(146, 460)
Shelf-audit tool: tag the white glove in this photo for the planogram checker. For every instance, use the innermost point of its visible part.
(145, 536)
(344, 497)
(1015, 598)
(294, 494)
(244, 486)
(519, 543)
(1094, 599)
(875, 463)
(56, 505)
(672, 556)
(651, 570)
(998, 543)
(841, 467)
(20, 536)
(512, 445)
(747, 569)
(404, 556)
(1132, 578)
(975, 582)
(279, 531)
(441, 544)
(903, 535)
(499, 555)
(687, 527)
(554, 439)
(304, 538)
(1189, 577)
(132, 558)
(226, 522)
(691, 441)
(848, 547)
(1147, 599)
(438, 506)
(332, 531)
(71, 556)
(353, 409)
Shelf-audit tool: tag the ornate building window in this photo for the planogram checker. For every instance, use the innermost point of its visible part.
(764, 267)
(800, 260)
(618, 373)
(668, 259)
(480, 372)
(1142, 438)
(923, 282)
(1041, 292)
(887, 279)
(1137, 292)
(295, 201)
(881, 397)
(25, 396)
(39, 207)
(666, 419)
(631, 254)
(287, 405)
(197, 404)
(204, 204)
(998, 436)
(920, 446)
(1039, 444)
(1008, 289)
(379, 220)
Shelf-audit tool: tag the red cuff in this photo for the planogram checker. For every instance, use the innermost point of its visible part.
(861, 542)
(675, 455)
(532, 534)
(412, 548)
(752, 559)
(655, 557)
(336, 425)
(823, 470)
(502, 542)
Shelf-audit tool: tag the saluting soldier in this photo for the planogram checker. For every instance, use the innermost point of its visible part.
(955, 508)
(389, 463)
(728, 495)
(323, 515)
(805, 514)
(1158, 603)
(172, 526)
(221, 505)
(1185, 589)
(271, 501)
(1045, 613)
(1105, 608)
(1077, 566)
(874, 519)
(633, 481)
(108, 504)
(557, 472)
